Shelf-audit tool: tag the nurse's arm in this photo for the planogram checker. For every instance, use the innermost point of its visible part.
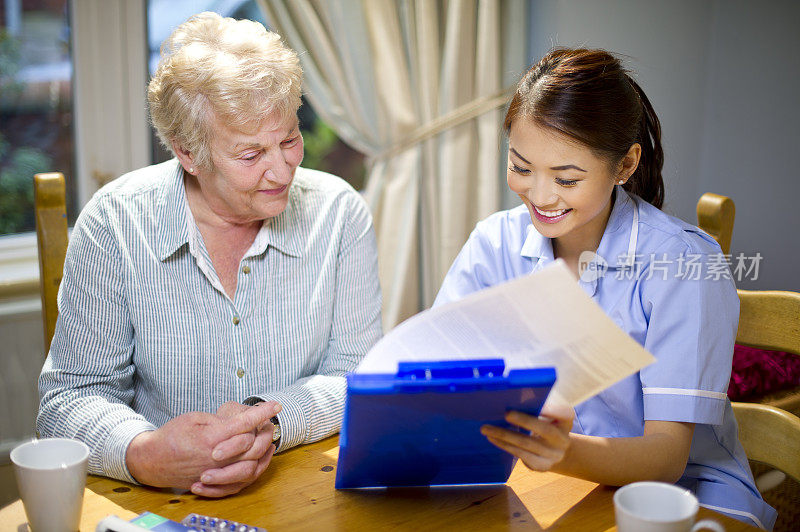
(660, 454)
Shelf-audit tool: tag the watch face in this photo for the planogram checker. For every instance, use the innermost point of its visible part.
(276, 431)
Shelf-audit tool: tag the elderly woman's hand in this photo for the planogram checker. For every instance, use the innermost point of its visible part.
(242, 446)
(548, 442)
(251, 456)
(177, 454)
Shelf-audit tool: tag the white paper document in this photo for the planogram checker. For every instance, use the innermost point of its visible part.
(539, 320)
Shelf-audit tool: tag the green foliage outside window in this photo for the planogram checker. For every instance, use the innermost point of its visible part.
(17, 164)
(325, 151)
(318, 143)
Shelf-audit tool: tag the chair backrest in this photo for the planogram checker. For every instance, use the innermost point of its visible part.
(769, 319)
(715, 216)
(770, 435)
(51, 239)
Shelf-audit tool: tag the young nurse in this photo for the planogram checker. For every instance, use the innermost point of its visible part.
(585, 157)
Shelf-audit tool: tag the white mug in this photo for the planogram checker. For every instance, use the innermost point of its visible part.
(658, 507)
(51, 476)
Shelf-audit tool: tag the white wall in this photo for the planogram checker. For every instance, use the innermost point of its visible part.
(21, 359)
(723, 77)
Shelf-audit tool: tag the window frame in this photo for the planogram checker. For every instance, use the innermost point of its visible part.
(108, 40)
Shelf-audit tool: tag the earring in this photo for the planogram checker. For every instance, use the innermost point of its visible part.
(191, 171)
(621, 181)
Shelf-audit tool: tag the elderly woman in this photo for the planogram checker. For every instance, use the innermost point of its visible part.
(212, 304)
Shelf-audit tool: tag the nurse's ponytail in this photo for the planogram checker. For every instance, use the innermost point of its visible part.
(588, 96)
(646, 182)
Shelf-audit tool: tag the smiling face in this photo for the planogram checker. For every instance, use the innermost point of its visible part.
(252, 170)
(565, 185)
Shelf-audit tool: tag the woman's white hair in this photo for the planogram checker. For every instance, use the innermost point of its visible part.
(235, 69)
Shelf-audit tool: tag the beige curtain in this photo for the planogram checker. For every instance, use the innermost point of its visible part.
(419, 87)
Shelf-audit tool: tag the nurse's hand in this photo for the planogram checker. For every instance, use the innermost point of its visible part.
(548, 442)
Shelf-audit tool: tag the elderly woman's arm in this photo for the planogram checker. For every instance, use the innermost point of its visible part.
(86, 384)
(313, 406)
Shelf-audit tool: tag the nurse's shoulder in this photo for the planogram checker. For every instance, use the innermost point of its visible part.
(680, 262)
(661, 233)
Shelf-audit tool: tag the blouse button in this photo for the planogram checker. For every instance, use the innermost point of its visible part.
(246, 269)
(240, 373)
(236, 320)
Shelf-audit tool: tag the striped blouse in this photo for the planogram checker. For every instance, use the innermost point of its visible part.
(145, 331)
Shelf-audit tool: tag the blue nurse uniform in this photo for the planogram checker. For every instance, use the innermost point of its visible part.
(665, 283)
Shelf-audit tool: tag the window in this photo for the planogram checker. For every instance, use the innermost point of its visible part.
(73, 81)
(35, 106)
(72, 75)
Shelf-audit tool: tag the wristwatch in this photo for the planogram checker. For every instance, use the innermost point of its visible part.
(276, 432)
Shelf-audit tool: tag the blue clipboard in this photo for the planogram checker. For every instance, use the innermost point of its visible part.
(421, 427)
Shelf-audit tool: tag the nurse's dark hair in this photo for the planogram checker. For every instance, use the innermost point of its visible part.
(587, 95)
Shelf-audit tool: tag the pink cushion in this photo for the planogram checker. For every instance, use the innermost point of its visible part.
(758, 372)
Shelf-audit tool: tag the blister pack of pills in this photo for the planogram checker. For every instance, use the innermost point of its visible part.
(207, 523)
(190, 523)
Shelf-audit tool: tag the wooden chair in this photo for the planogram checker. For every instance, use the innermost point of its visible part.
(767, 319)
(770, 435)
(51, 239)
(768, 432)
(715, 215)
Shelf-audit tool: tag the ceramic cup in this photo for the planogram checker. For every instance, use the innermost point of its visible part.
(51, 476)
(658, 507)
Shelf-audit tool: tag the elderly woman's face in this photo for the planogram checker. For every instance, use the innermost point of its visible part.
(253, 169)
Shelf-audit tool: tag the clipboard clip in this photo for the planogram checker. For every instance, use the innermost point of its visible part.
(450, 375)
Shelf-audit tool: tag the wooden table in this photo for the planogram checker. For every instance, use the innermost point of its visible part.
(296, 493)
